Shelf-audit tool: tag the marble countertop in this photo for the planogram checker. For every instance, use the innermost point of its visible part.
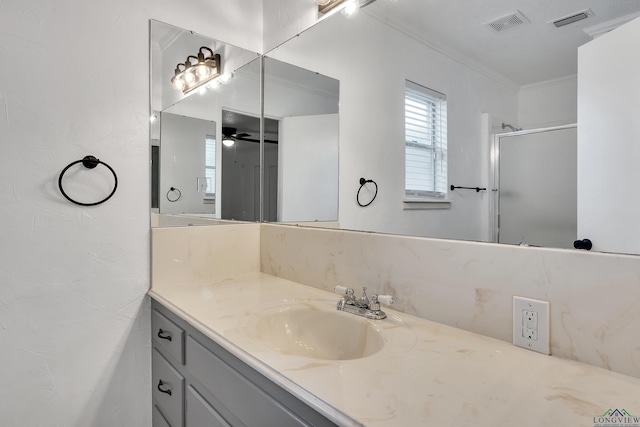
(426, 374)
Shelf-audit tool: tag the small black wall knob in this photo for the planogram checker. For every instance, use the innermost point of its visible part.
(583, 244)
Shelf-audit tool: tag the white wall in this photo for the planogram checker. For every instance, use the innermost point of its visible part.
(308, 191)
(547, 104)
(293, 91)
(608, 140)
(363, 54)
(284, 19)
(74, 320)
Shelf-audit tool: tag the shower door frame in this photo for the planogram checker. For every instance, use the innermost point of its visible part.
(494, 215)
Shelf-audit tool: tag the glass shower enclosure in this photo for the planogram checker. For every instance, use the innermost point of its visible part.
(535, 187)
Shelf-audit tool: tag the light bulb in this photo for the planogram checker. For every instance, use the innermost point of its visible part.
(202, 71)
(351, 8)
(178, 83)
(189, 77)
(228, 142)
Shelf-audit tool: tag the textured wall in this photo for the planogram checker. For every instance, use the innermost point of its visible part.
(74, 321)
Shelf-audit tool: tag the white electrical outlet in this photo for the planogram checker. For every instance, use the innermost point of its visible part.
(531, 324)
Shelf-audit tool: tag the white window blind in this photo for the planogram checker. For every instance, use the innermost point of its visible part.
(425, 142)
(210, 165)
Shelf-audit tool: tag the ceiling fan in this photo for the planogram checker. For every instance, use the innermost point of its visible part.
(230, 135)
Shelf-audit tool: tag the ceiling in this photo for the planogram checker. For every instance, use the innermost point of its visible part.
(250, 124)
(529, 53)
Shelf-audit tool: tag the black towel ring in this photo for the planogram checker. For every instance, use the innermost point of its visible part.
(88, 162)
(178, 193)
(362, 184)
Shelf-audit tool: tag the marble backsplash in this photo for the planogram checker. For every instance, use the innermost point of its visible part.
(184, 255)
(594, 297)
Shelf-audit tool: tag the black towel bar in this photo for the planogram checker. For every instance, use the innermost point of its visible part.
(478, 189)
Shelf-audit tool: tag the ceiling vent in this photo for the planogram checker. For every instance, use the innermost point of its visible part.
(507, 22)
(575, 17)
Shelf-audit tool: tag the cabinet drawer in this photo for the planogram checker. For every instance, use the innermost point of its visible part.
(168, 336)
(200, 413)
(167, 389)
(251, 405)
(158, 418)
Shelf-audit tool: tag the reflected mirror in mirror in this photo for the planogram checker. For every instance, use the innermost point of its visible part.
(304, 105)
(493, 81)
(187, 129)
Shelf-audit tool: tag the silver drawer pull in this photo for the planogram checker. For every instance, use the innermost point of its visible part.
(165, 390)
(164, 335)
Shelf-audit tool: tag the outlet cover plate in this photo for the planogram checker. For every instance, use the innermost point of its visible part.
(531, 324)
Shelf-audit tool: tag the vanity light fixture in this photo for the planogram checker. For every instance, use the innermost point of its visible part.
(351, 7)
(197, 70)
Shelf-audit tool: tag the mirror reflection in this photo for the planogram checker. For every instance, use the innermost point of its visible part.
(305, 106)
(208, 157)
(188, 129)
(534, 209)
(495, 78)
(241, 165)
(491, 83)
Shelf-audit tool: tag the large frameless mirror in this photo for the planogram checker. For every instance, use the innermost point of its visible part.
(493, 84)
(209, 162)
(496, 80)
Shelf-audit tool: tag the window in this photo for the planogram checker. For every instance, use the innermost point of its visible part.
(210, 166)
(425, 143)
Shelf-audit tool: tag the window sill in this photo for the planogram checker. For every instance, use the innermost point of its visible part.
(423, 204)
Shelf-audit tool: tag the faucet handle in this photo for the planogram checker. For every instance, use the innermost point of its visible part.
(342, 290)
(386, 299)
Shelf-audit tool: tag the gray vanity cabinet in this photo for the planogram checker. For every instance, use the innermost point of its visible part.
(197, 383)
(168, 391)
(158, 419)
(200, 412)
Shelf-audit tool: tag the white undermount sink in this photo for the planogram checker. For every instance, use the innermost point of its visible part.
(297, 329)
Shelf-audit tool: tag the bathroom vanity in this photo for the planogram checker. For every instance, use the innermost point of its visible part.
(196, 382)
(227, 363)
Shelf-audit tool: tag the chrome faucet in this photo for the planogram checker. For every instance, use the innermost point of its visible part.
(362, 306)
